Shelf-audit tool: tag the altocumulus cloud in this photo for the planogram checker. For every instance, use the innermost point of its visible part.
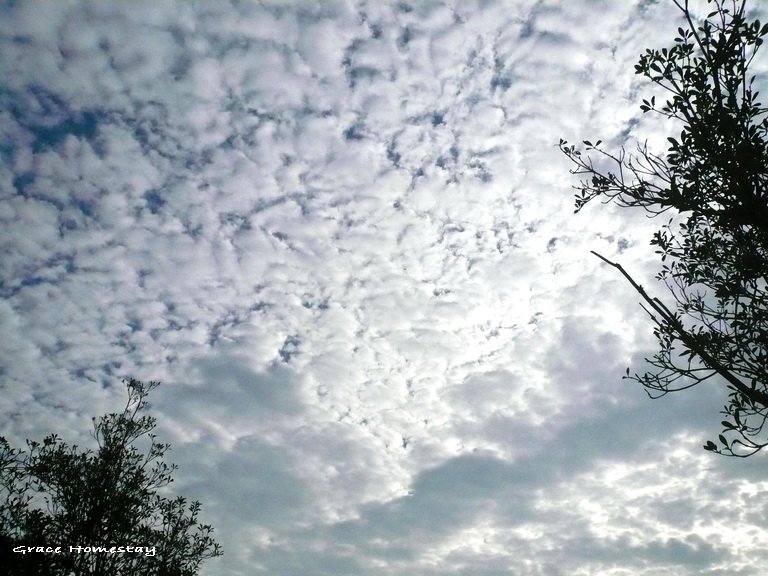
(342, 235)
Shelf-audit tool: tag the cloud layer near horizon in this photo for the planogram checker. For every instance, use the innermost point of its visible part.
(342, 236)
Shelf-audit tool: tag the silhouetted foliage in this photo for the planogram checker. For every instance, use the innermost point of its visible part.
(55, 495)
(713, 180)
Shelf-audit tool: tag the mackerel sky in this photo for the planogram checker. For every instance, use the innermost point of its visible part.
(342, 236)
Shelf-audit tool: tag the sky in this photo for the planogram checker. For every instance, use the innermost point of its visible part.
(342, 236)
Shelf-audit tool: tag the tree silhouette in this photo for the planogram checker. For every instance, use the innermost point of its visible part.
(713, 182)
(63, 502)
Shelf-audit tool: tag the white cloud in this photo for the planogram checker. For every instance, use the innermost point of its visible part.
(343, 237)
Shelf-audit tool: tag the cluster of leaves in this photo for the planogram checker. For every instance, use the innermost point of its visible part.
(57, 495)
(714, 250)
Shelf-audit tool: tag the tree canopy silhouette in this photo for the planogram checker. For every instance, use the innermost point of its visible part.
(67, 511)
(713, 183)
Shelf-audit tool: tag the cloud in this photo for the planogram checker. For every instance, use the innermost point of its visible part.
(343, 237)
